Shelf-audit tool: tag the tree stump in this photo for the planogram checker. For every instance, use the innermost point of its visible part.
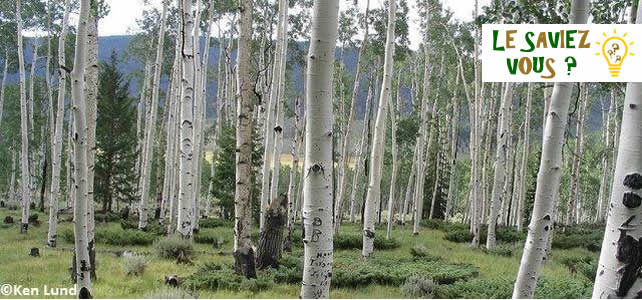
(124, 213)
(173, 280)
(35, 252)
(271, 239)
(244, 263)
(8, 220)
(182, 259)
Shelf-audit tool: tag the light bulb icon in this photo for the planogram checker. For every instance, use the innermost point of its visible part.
(614, 49)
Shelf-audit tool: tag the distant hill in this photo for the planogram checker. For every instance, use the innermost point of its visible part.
(119, 45)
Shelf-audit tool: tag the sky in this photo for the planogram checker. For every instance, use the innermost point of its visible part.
(123, 13)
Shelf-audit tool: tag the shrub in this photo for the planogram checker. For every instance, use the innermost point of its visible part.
(563, 288)
(419, 251)
(433, 224)
(115, 236)
(134, 264)
(172, 246)
(355, 272)
(509, 235)
(12, 206)
(459, 236)
(500, 288)
(418, 287)
(584, 265)
(500, 251)
(207, 238)
(167, 292)
(577, 238)
(119, 237)
(214, 276)
(106, 217)
(355, 241)
(213, 223)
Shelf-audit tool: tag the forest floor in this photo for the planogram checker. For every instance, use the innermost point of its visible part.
(52, 267)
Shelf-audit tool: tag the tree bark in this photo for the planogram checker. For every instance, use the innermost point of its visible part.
(271, 238)
(243, 253)
(56, 149)
(619, 260)
(318, 189)
(500, 164)
(4, 82)
(378, 141)
(83, 266)
(393, 181)
(271, 128)
(186, 185)
(525, 154)
(548, 179)
(343, 162)
(574, 194)
(24, 161)
(359, 165)
(150, 124)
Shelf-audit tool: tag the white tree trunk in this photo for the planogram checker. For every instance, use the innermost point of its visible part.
(410, 186)
(279, 126)
(454, 135)
(343, 160)
(617, 273)
(11, 199)
(56, 149)
(500, 164)
(80, 160)
(525, 154)
(4, 82)
(378, 141)
(574, 194)
(270, 126)
(150, 124)
(606, 160)
(393, 181)
(548, 179)
(359, 164)
(91, 96)
(186, 184)
(24, 161)
(318, 168)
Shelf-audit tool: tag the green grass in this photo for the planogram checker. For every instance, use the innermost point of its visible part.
(51, 268)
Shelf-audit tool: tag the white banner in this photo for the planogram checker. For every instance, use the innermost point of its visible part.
(561, 53)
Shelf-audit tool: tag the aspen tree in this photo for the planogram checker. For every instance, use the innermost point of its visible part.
(454, 135)
(617, 268)
(378, 141)
(548, 179)
(270, 127)
(56, 149)
(24, 153)
(523, 169)
(318, 167)
(606, 160)
(80, 156)
(4, 82)
(186, 180)
(243, 251)
(150, 123)
(393, 181)
(363, 144)
(500, 164)
(574, 194)
(279, 125)
(12, 182)
(344, 149)
(91, 96)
